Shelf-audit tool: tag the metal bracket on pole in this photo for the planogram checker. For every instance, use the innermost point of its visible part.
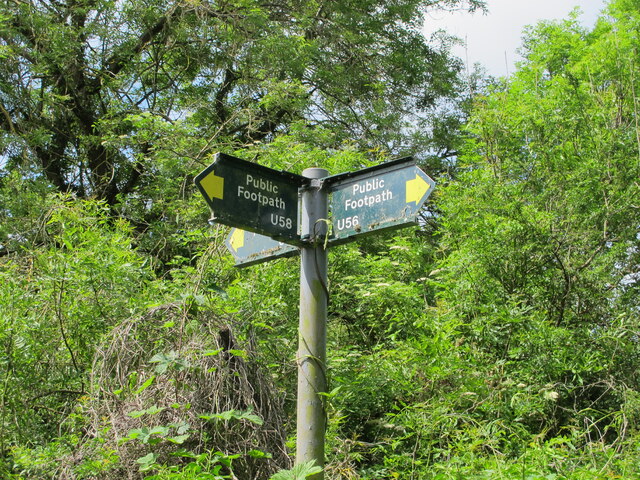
(311, 359)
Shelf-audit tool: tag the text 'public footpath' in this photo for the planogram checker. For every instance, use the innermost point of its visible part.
(253, 190)
(371, 187)
(266, 193)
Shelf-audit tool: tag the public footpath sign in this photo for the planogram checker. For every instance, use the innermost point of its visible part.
(249, 248)
(383, 197)
(252, 197)
(264, 204)
(279, 214)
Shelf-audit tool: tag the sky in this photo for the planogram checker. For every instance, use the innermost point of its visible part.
(493, 39)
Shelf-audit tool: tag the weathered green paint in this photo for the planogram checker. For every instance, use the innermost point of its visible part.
(252, 197)
(311, 358)
(383, 197)
(255, 248)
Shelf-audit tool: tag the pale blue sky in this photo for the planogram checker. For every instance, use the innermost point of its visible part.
(493, 39)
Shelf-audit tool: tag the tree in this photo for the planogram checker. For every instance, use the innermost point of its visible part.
(94, 94)
(540, 233)
(114, 106)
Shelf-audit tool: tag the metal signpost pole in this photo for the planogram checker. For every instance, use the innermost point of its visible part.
(277, 214)
(312, 335)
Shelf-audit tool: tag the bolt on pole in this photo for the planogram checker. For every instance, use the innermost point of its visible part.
(312, 336)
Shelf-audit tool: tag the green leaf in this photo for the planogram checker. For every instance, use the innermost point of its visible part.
(149, 411)
(136, 413)
(154, 410)
(258, 454)
(145, 385)
(209, 353)
(238, 353)
(299, 472)
(179, 439)
(147, 462)
(234, 415)
(160, 430)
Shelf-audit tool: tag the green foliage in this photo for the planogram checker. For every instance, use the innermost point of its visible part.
(498, 339)
(169, 84)
(378, 293)
(234, 415)
(56, 303)
(299, 472)
(539, 254)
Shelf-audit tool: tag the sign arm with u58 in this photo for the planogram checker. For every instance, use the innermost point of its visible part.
(252, 197)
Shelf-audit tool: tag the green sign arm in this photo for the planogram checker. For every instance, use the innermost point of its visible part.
(249, 248)
(252, 197)
(383, 197)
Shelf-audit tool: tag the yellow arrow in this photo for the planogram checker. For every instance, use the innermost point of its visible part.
(416, 188)
(237, 239)
(213, 185)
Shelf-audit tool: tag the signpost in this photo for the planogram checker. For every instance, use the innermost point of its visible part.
(279, 214)
(312, 331)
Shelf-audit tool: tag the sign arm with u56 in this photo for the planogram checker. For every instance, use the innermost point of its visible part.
(385, 196)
